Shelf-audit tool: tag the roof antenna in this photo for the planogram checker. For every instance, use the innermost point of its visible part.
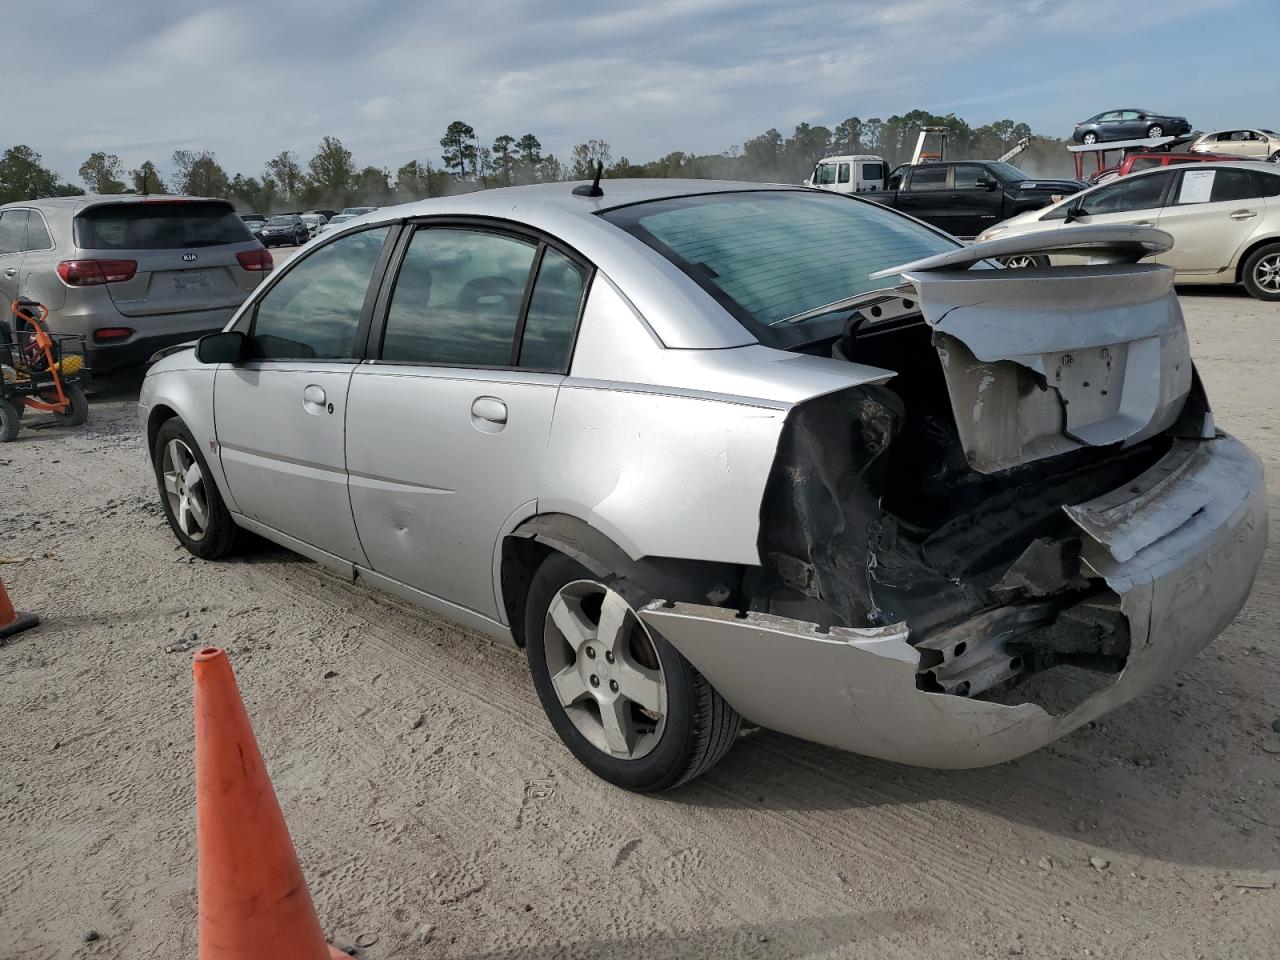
(582, 190)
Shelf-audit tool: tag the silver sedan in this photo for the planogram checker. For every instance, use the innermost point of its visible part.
(717, 452)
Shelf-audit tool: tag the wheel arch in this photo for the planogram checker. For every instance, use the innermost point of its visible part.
(1249, 251)
(638, 579)
(155, 418)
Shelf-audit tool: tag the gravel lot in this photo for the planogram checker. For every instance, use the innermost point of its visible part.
(433, 806)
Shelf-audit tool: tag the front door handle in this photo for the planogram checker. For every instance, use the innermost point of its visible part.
(1243, 214)
(11, 272)
(1144, 223)
(314, 400)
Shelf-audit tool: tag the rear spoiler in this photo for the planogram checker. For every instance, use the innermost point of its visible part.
(1104, 244)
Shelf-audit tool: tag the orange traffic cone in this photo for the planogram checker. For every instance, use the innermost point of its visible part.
(11, 621)
(252, 899)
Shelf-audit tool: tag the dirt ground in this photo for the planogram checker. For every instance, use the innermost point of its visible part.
(433, 807)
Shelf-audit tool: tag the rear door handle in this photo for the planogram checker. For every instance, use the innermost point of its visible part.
(1243, 214)
(489, 408)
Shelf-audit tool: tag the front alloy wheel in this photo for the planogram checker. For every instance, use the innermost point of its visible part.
(189, 495)
(1155, 131)
(184, 485)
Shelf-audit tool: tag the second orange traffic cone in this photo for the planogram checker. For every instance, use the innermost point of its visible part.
(11, 621)
(252, 898)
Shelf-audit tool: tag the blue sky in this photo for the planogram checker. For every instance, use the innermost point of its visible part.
(248, 79)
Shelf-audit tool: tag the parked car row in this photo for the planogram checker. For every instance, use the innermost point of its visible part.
(296, 228)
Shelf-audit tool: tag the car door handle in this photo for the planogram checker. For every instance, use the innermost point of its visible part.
(314, 400)
(11, 272)
(490, 409)
(1243, 214)
(1144, 223)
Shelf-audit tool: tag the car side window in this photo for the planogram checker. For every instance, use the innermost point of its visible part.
(1220, 185)
(826, 174)
(1123, 196)
(554, 307)
(928, 178)
(1268, 184)
(844, 173)
(457, 298)
(313, 311)
(969, 176)
(13, 231)
(38, 237)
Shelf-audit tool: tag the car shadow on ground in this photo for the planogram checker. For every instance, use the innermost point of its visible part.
(1134, 794)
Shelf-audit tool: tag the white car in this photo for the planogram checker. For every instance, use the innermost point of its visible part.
(1224, 218)
(1253, 143)
(315, 223)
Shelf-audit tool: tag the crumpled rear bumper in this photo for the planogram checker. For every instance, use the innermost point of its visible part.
(1179, 546)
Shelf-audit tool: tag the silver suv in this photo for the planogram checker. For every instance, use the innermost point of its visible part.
(130, 274)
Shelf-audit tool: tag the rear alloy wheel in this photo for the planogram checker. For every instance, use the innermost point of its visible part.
(1261, 274)
(1023, 260)
(622, 699)
(190, 498)
(1090, 138)
(1155, 130)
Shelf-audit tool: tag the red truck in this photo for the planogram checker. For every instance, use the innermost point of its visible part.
(1145, 161)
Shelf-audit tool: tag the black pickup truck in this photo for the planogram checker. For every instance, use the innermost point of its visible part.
(964, 197)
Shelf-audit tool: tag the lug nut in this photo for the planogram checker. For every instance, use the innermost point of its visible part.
(608, 655)
(595, 681)
(613, 685)
(591, 652)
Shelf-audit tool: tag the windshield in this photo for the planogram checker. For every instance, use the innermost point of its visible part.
(163, 225)
(1007, 171)
(280, 222)
(769, 256)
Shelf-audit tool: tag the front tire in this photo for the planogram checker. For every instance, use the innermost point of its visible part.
(191, 501)
(1261, 273)
(622, 699)
(1155, 130)
(78, 411)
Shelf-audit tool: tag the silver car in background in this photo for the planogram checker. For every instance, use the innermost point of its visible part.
(130, 274)
(714, 452)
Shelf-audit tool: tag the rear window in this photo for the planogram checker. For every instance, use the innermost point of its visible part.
(769, 256)
(158, 226)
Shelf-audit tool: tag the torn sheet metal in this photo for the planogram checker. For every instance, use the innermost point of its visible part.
(1040, 362)
(1184, 579)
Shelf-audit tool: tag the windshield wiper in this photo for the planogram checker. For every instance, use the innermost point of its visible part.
(845, 303)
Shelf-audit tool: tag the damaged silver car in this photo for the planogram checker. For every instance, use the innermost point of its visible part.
(723, 453)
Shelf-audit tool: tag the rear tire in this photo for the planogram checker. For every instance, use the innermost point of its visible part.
(687, 737)
(10, 420)
(1261, 273)
(1090, 138)
(194, 507)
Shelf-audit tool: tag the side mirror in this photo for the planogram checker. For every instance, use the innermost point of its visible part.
(1072, 212)
(226, 347)
(987, 183)
(1142, 116)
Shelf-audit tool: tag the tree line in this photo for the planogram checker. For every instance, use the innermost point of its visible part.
(331, 178)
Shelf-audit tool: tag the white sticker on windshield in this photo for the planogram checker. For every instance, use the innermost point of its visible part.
(1197, 185)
